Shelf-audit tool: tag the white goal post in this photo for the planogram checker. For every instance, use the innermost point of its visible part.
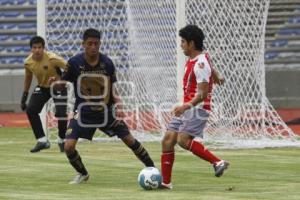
(141, 37)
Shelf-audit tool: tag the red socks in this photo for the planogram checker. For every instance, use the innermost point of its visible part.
(199, 150)
(167, 160)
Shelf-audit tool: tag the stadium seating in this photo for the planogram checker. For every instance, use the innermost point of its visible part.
(283, 28)
(283, 34)
(17, 25)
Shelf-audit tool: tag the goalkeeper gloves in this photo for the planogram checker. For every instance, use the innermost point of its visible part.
(23, 101)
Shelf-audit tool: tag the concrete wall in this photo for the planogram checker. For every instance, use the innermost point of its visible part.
(283, 87)
(11, 89)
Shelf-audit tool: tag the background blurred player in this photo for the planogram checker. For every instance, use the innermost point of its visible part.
(191, 117)
(43, 64)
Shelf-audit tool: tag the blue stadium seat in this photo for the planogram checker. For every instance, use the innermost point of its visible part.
(123, 47)
(271, 55)
(27, 26)
(20, 2)
(7, 26)
(294, 20)
(66, 48)
(32, 2)
(124, 34)
(56, 1)
(12, 60)
(7, 60)
(4, 37)
(290, 31)
(30, 14)
(15, 49)
(279, 43)
(26, 48)
(124, 59)
(122, 67)
(21, 37)
(11, 14)
(108, 35)
(6, 2)
(2, 60)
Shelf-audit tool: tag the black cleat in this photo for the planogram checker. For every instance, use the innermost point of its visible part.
(61, 146)
(220, 167)
(39, 146)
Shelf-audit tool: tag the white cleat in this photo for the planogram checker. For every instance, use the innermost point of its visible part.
(79, 178)
(168, 186)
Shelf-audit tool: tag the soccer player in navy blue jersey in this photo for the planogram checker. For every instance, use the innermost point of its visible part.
(93, 76)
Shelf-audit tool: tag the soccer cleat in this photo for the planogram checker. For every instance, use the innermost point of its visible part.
(61, 146)
(79, 178)
(165, 186)
(39, 146)
(220, 167)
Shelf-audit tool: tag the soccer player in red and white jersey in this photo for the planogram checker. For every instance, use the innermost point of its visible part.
(190, 118)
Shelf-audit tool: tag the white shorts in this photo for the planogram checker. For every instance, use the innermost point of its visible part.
(191, 122)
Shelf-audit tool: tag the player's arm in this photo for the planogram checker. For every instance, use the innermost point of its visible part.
(59, 63)
(202, 93)
(27, 84)
(66, 75)
(118, 104)
(60, 66)
(218, 78)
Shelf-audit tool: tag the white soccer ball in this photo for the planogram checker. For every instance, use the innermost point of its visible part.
(149, 178)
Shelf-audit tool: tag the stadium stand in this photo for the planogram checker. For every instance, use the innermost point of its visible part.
(282, 53)
(17, 25)
(283, 34)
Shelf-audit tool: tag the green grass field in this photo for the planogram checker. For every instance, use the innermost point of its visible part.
(254, 174)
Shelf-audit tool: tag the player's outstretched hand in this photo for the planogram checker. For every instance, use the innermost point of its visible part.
(178, 110)
(52, 79)
(219, 80)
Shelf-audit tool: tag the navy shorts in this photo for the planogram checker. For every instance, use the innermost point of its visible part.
(111, 127)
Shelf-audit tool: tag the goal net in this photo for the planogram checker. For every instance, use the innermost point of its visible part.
(141, 37)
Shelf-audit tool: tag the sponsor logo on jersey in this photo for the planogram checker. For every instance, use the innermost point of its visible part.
(81, 67)
(102, 65)
(201, 65)
(69, 131)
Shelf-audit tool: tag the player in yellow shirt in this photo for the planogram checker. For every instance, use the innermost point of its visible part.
(43, 64)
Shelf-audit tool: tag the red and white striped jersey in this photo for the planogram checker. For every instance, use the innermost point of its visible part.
(198, 70)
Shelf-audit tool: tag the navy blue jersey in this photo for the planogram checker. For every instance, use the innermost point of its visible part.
(92, 84)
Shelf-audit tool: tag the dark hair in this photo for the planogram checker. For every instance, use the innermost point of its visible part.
(36, 40)
(91, 32)
(193, 33)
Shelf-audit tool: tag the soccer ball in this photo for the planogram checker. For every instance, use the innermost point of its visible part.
(149, 178)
